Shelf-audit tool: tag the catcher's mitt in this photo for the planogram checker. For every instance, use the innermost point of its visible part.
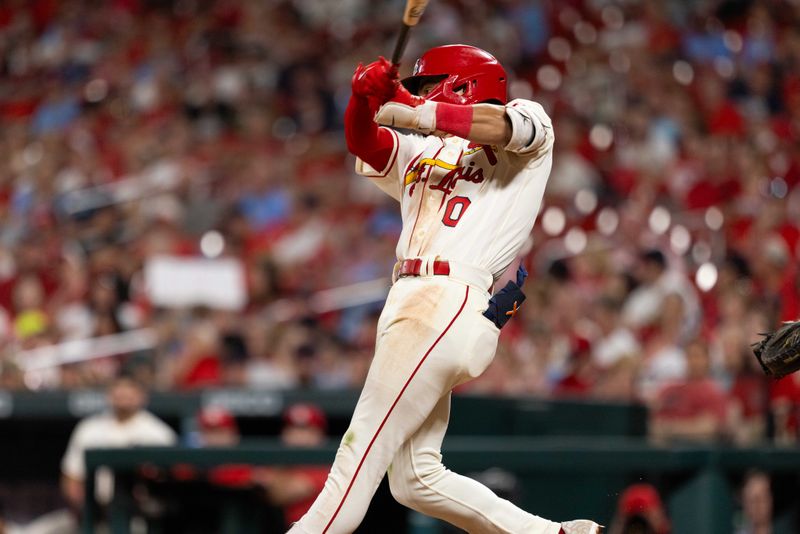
(779, 351)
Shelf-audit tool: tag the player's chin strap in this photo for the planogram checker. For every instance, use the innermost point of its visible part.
(506, 303)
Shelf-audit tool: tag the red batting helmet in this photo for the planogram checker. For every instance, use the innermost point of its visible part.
(477, 72)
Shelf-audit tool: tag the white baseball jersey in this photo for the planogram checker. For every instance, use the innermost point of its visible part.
(466, 202)
(105, 431)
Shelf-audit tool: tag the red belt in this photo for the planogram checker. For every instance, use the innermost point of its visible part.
(413, 267)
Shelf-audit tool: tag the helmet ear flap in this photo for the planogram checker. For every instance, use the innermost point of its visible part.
(447, 90)
(466, 90)
(457, 90)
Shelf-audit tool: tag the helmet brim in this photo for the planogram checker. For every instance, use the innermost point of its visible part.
(414, 83)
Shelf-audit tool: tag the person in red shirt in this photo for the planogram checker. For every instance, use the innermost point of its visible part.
(694, 409)
(748, 394)
(784, 405)
(295, 488)
(198, 364)
(218, 428)
(580, 377)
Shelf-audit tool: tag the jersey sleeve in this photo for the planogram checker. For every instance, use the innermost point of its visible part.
(163, 434)
(72, 465)
(531, 129)
(153, 431)
(390, 179)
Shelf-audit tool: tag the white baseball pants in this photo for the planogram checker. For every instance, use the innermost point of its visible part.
(431, 337)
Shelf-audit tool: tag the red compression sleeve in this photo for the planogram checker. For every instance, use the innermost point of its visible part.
(454, 119)
(366, 139)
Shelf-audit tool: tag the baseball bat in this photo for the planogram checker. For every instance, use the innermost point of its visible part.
(414, 10)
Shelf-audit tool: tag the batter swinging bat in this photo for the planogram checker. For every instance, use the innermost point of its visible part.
(414, 10)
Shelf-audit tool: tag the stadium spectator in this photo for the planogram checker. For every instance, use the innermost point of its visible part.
(579, 378)
(784, 405)
(640, 511)
(657, 282)
(748, 391)
(126, 424)
(218, 137)
(198, 363)
(692, 410)
(217, 428)
(295, 488)
(664, 357)
(756, 496)
(616, 353)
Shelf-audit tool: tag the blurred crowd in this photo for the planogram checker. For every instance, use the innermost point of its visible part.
(669, 238)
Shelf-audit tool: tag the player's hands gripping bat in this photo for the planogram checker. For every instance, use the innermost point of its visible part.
(779, 351)
(376, 82)
(414, 10)
(404, 110)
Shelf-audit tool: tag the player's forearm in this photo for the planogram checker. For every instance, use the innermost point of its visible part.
(490, 125)
(365, 139)
(72, 490)
(485, 124)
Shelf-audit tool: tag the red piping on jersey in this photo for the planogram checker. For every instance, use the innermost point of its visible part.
(489, 151)
(422, 195)
(410, 378)
(395, 152)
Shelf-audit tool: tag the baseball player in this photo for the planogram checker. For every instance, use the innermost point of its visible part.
(469, 170)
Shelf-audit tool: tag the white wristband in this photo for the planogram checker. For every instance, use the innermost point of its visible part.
(426, 117)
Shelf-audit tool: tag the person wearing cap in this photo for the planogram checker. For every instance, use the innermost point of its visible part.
(295, 488)
(640, 511)
(217, 428)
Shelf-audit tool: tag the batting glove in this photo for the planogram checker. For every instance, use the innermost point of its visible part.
(402, 96)
(421, 118)
(376, 81)
(505, 303)
(405, 110)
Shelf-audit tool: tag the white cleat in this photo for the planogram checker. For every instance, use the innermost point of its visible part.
(581, 526)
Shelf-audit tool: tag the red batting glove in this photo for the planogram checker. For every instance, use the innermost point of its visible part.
(402, 96)
(376, 82)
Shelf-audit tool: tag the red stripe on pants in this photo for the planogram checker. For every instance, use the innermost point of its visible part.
(410, 378)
